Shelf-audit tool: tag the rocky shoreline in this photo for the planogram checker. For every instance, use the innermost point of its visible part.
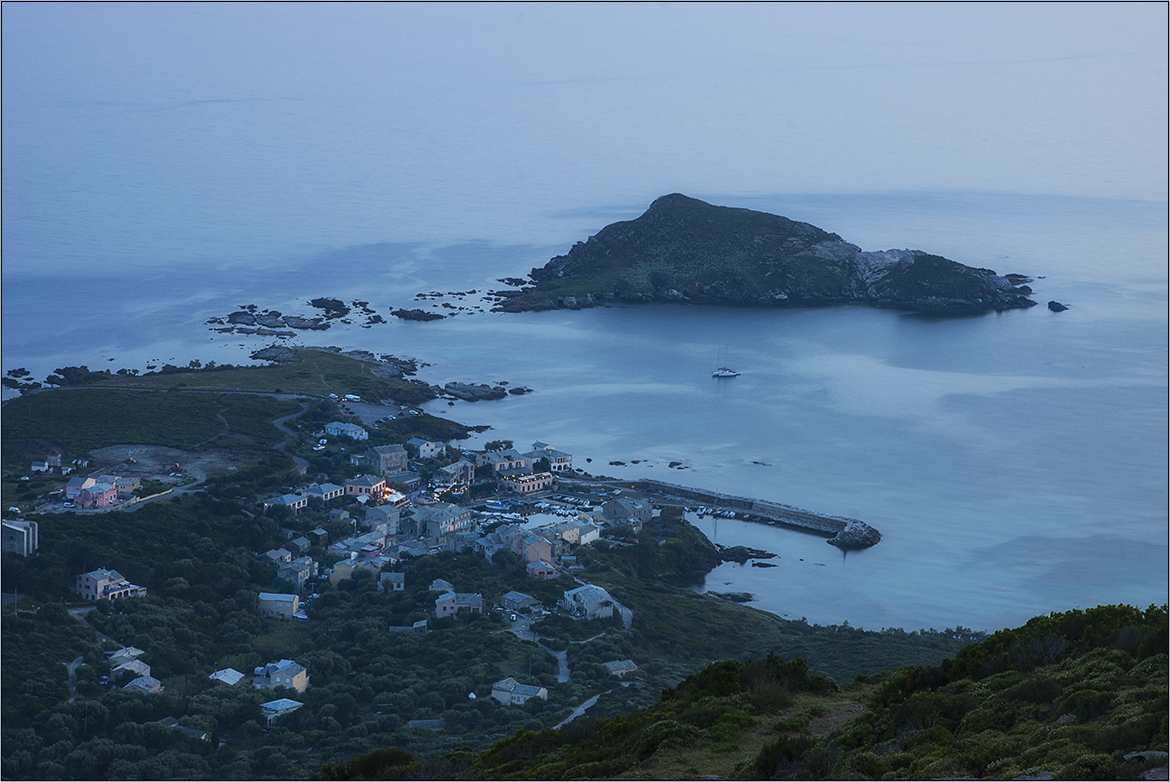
(394, 368)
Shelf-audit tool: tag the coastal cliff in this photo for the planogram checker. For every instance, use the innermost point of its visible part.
(685, 250)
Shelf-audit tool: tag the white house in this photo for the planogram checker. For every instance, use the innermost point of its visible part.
(229, 676)
(558, 461)
(339, 429)
(274, 710)
(426, 449)
(509, 691)
(589, 601)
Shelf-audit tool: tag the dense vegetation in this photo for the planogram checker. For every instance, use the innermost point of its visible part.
(82, 420)
(1079, 695)
(196, 556)
(682, 249)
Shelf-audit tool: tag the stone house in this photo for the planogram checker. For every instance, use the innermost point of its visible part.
(20, 537)
(386, 459)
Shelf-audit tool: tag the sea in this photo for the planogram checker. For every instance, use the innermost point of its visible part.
(1015, 462)
(168, 165)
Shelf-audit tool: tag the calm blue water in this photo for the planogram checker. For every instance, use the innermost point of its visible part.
(166, 164)
(1015, 463)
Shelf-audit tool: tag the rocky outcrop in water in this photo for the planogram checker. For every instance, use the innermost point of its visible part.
(421, 315)
(684, 250)
(474, 392)
(1056, 306)
(742, 554)
(856, 535)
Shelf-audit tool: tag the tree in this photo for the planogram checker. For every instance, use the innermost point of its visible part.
(498, 445)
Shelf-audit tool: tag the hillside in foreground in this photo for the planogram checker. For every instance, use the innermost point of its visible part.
(685, 250)
(1076, 695)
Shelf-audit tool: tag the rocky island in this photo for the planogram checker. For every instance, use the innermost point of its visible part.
(685, 250)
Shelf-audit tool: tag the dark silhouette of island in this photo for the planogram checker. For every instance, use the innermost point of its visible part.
(685, 250)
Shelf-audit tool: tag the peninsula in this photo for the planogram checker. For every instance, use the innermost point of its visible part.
(685, 250)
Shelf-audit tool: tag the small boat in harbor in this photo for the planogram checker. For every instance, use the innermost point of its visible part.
(721, 368)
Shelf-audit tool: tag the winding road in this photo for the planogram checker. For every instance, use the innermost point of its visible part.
(279, 423)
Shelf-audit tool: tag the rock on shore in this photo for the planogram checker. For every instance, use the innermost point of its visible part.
(474, 392)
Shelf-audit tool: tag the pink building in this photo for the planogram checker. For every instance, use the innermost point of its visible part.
(97, 496)
(75, 485)
(370, 485)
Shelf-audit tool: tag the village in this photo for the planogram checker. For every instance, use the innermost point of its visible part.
(404, 501)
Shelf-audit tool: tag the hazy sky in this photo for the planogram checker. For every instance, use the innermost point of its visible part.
(111, 111)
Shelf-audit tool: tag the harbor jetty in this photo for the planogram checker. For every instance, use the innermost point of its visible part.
(844, 533)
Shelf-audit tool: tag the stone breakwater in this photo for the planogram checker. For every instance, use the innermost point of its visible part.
(844, 533)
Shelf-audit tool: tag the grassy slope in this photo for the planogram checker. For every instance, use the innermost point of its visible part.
(316, 372)
(83, 419)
